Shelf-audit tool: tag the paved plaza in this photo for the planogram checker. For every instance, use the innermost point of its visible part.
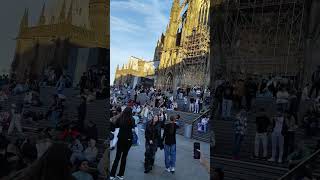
(187, 168)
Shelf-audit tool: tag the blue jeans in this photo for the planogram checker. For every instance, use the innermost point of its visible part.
(238, 138)
(170, 155)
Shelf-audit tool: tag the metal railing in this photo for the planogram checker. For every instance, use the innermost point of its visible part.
(293, 172)
(196, 119)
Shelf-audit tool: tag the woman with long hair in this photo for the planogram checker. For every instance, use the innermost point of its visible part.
(126, 125)
(169, 138)
(153, 137)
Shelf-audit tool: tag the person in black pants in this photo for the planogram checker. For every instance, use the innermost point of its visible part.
(153, 139)
(126, 125)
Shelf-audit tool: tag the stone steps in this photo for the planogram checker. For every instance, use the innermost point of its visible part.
(248, 168)
(241, 170)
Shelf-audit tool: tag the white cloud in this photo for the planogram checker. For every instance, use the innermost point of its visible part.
(152, 10)
(135, 27)
(118, 24)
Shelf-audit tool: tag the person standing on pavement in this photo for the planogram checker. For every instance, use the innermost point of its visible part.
(16, 118)
(113, 121)
(145, 114)
(262, 124)
(126, 126)
(152, 135)
(169, 138)
(289, 138)
(239, 93)
(278, 129)
(282, 99)
(240, 131)
(250, 92)
(227, 100)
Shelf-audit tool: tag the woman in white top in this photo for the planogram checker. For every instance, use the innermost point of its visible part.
(197, 106)
(282, 99)
(91, 151)
(278, 123)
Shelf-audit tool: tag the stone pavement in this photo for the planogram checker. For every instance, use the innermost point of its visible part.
(187, 168)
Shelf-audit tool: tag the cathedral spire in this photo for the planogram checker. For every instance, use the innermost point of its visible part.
(62, 16)
(69, 18)
(42, 18)
(25, 20)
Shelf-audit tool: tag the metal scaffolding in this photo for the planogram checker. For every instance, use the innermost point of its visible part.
(262, 36)
(194, 56)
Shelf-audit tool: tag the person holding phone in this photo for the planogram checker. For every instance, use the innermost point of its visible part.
(126, 125)
(152, 135)
(169, 138)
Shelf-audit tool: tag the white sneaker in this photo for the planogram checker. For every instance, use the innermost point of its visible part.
(172, 169)
(271, 159)
(112, 178)
(120, 177)
(168, 169)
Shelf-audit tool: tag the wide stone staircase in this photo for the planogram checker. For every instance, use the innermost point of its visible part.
(96, 111)
(248, 168)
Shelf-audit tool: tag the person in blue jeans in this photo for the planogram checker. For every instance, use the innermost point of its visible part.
(169, 138)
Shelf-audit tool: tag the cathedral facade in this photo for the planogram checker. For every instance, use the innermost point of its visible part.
(50, 41)
(183, 50)
(135, 67)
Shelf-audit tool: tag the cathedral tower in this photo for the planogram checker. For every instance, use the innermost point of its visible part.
(171, 34)
(98, 17)
(42, 18)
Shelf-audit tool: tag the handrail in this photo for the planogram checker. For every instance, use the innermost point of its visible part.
(200, 116)
(300, 165)
(196, 119)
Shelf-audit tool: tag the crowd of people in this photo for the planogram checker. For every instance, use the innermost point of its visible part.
(93, 83)
(129, 117)
(75, 138)
(194, 100)
(287, 109)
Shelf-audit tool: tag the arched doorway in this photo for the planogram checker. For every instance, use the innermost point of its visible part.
(169, 81)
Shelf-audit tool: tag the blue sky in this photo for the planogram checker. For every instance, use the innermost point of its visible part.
(10, 16)
(11, 13)
(136, 26)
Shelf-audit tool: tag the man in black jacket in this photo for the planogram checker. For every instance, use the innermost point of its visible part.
(152, 135)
